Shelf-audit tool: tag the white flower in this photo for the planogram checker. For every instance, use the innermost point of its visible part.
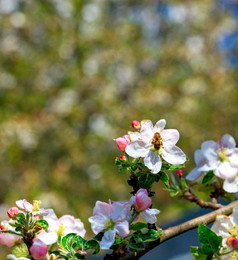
(111, 219)
(62, 226)
(227, 228)
(156, 142)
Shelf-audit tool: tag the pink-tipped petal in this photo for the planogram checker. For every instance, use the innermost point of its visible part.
(108, 239)
(173, 155)
(38, 249)
(119, 211)
(137, 149)
(170, 136)
(103, 209)
(122, 143)
(226, 171)
(122, 228)
(153, 162)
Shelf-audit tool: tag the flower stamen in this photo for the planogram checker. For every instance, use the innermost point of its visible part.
(222, 152)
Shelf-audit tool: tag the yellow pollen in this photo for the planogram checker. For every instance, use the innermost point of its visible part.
(233, 231)
(222, 154)
(233, 255)
(36, 205)
(61, 229)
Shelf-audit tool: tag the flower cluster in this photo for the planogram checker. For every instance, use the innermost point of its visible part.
(153, 143)
(220, 157)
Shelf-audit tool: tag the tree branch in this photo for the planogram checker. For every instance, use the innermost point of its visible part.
(182, 228)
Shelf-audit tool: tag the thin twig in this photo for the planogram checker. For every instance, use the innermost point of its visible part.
(182, 228)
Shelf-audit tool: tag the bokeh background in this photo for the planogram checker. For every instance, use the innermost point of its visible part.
(74, 74)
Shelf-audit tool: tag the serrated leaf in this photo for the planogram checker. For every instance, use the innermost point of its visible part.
(94, 245)
(138, 226)
(78, 242)
(198, 253)
(67, 241)
(208, 177)
(164, 178)
(42, 223)
(209, 240)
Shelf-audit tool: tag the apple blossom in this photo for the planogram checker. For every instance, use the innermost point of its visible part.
(142, 200)
(156, 144)
(109, 218)
(13, 211)
(33, 208)
(38, 249)
(8, 239)
(227, 227)
(62, 226)
(122, 142)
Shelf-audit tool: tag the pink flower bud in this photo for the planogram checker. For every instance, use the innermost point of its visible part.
(179, 173)
(121, 158)
(2, 227)
(13, 211)
(82, 252)
(122, 142)
(142, 200)
(136, 124)
(232, 242)
(38, 249)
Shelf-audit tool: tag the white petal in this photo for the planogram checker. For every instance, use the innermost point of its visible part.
(134, 136)
(173, 154)
(119, 211)
(137, 149)
(103, 209)
(149, 215)
(234, 215)
(122, 228)
(147, 132)
(48, 238)
(198, 157)
(228, 141)
(231, 185)
(209, 150)
(170, 136)
(153, 162)
(233, 158)
(193, 175)
(225, 171)
(159, 126)
(108, 239)
(98, 224)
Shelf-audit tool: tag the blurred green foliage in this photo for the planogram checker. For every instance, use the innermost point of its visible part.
(74, 74)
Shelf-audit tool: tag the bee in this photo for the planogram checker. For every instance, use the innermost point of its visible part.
(157, 141)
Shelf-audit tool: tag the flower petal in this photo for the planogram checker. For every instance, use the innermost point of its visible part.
(231, 185)
(98, 223)
(147, 132)
(153, 162)
(122, 228)
(193, 174)
(103, 209)
(119, 211)
(48, 238)
(137, 149)
(149, 215)
(159, 126)
(108, 239)
(209, 150)
(228, 141)
(233, 158)
(225, 170)
(170, 136)
(173, 154)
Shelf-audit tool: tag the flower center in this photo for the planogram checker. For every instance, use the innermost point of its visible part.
(222, 152)
(36, 205)
(233, 231)
(157, 141)
(61, 229)
(109, 224)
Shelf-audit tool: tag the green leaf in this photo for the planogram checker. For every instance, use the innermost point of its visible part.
(151, 235)
(198, 253)
(94, 245)
(164, 178)
(171, 167)
(208, 177)
(68, 240)
(136, 245)
(20, 219)
(20, 251)
(42, 223)
(79, 256)
(146, 180)
(99, 236)
(209, 240)
(78, 242)
(138, 226)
